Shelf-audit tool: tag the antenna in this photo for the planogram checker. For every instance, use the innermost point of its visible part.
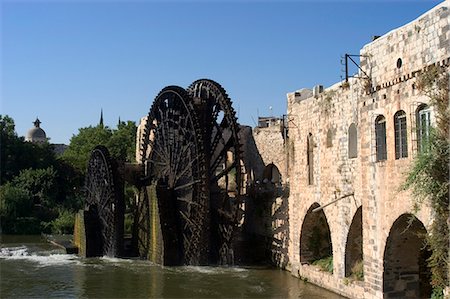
(254, 121)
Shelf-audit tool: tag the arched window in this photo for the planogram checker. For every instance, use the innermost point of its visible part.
(352, 142)
(329, 138)
(401, 144)
(310, 159)
(380, 134)
(423, 120)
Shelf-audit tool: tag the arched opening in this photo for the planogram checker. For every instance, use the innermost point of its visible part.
(406, 274)
(272, 175)
(315, 238)
(354, 248)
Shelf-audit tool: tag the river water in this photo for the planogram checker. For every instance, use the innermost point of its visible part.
(31, 267)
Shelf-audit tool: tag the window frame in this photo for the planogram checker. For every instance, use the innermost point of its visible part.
(423, 121)
(400, 135)
(380, 138)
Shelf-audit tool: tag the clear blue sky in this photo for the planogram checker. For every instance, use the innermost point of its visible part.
(65, 60)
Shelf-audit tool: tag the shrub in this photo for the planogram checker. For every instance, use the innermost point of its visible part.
(64, 223)
(325, 264)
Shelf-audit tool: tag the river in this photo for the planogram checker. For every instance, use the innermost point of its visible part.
(31, 267)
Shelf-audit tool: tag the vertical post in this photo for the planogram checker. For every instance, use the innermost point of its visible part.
(346, 67)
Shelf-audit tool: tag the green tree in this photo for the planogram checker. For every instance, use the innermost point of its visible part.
(122, 144)
(79, 150)
(7, 126)
(16, 211)
(36, 186)
(16, 154)
(40, 185)
(429, 176)
(14, 202)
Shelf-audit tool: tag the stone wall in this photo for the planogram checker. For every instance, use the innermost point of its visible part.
(341, 183)
(271, 147)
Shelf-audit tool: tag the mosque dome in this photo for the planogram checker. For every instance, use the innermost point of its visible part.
(36, 134)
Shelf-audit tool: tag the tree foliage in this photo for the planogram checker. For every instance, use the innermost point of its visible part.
(16, 155)
(79, 150)
(35, 184)
(428, 178)
(14, 202)
(120, 143)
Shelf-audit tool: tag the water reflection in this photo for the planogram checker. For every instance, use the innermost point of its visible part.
(42, 271)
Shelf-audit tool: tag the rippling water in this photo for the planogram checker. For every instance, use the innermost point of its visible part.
(30, 267)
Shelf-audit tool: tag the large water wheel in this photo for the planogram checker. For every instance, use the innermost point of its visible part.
(189, 179)
(191, 155)
(223, 155)
(173, 158)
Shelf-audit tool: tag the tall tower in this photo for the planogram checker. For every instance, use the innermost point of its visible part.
(101, 118)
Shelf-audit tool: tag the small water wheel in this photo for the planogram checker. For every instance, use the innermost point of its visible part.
(104, 206)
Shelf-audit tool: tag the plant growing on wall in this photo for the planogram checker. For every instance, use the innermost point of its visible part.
(326, 101)
(428, 178)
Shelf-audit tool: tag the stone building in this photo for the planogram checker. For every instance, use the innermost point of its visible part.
(36, 134)
(325, 184)
(346, 205)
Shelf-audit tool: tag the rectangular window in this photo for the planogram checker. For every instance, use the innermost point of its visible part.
(423, 128)
(401, 145)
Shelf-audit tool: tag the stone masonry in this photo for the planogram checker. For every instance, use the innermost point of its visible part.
(331, 162)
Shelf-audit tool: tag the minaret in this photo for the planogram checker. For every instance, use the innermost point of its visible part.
(101, 118)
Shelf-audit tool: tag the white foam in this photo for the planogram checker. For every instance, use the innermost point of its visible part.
(43, 258)
(115, 259)
(212, 270)
(14, 251)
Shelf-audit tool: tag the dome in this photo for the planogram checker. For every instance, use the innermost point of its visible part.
(36, 134)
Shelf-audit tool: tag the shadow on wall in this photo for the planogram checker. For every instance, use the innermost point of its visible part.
(315, 238)
(406, 273)
(253, 163)
(266, 226)
(280, 229)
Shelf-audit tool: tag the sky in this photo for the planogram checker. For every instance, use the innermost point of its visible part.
(64, 61)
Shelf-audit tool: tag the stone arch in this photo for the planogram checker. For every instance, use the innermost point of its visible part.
(354, 246)
(406, 274)
(272, 174)
(315, 236)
